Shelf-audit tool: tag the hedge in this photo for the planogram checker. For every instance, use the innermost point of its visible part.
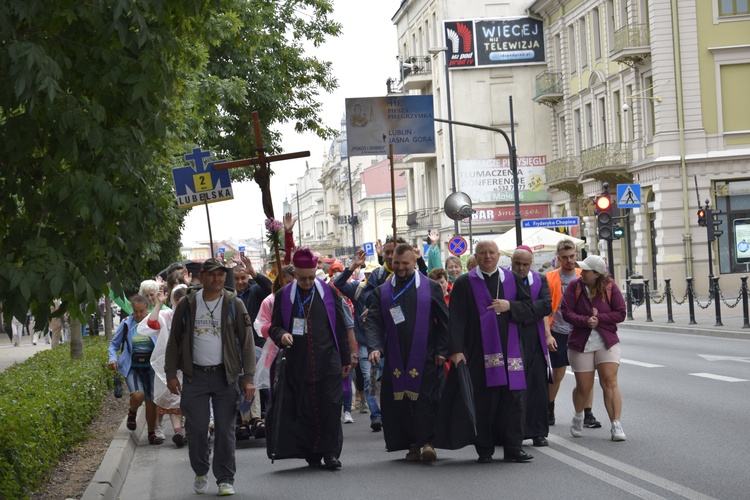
(46, 405)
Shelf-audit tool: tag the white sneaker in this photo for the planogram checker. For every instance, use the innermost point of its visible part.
(201, 484)
(576, 429)
(348, 418)
(225, 489)
(160, 433)
(617, 433)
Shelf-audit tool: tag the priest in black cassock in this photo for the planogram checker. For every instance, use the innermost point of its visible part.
(482, 333)
(534, 293)
(407, 323)
(308, 321)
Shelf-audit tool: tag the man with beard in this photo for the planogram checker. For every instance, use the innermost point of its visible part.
(483, 334)
(211, 341)
(408, 323)
(308, 321)
(534, 341)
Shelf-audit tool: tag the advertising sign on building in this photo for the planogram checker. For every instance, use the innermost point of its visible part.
(459, 38)
(507, 213)
(491, 180)
(407, 122)
(742, 238)
(502, 41)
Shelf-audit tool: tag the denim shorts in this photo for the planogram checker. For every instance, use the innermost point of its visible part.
(141, 380)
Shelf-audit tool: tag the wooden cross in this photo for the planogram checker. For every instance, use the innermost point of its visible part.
(262, 174)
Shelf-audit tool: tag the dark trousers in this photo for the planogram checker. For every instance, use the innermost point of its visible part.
(205, 389)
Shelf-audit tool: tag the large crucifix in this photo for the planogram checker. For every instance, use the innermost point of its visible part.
(262, 174)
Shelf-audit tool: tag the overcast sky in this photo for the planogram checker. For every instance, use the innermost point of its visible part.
(363, 58)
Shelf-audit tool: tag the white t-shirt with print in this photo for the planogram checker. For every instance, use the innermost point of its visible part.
(207, 349)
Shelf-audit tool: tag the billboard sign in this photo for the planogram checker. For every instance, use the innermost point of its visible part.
(459, 38)
(491, 180)
(406, 121)
(504, 41)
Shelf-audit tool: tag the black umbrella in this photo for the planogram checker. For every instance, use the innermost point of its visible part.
(278, 398)
(467, 392)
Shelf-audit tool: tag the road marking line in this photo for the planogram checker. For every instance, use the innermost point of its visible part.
(642, 475)
(718, 377)
(640, 363)
(603, 476)
(709, 357)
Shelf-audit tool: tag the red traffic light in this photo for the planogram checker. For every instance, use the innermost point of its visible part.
(702, 217)
(603, 203)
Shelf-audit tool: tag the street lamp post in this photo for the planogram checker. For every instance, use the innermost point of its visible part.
(351, 199)
(296, 195)
(511, 142)
(444, 50)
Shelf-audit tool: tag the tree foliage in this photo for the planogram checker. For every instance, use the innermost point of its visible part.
(100, 99)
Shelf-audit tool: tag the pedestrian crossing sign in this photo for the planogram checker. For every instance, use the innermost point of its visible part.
(628, 196)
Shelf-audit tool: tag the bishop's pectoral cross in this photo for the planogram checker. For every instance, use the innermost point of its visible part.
(262, 173)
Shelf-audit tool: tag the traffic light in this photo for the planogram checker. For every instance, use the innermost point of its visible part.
(713, 225)
(702, 217)
(603, 210)
(618, 232)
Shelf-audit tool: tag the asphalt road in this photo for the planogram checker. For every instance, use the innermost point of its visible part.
(686, 410)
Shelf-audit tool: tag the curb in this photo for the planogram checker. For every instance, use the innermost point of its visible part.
(109, 478)
(687, 330)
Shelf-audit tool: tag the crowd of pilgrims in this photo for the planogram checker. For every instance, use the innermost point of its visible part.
(443, 358)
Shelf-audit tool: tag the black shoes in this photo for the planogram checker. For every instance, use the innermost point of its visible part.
(540, 441)
(376, 424)
(484, 459)
(551, 411)
(331, 462)
(517, 456)
(591, 422)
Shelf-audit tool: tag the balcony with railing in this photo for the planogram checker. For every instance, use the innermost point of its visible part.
(424, 218)
(417, 72)
(608, 162)
(632, 44)
(549, 88)
(563, 174)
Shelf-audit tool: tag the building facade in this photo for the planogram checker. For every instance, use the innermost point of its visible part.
(652, 93)
(433, 37)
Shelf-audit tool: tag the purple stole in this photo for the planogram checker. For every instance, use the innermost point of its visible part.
(407, 379)
(287, 300)
(494, 365)
(536, 287)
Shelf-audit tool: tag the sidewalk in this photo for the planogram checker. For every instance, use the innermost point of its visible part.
(10, 355)
(705, 319)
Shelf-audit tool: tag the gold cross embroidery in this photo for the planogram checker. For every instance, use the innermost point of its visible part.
(414, 373)
(397, 373)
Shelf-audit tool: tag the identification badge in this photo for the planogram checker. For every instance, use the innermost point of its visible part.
(298, 328)
(397, 314)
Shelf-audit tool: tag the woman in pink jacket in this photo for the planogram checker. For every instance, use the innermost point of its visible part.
(593, 305)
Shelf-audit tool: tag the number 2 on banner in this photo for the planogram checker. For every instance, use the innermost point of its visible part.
(203, 182)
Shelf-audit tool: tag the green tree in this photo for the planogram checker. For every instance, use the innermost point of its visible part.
(100, 99)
